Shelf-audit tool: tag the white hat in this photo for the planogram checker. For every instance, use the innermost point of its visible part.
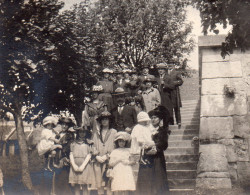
(107, 70)
(50, 120)
(122, 135)
(142, 116)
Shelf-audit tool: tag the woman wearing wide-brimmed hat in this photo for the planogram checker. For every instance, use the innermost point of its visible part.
(152, 175)
(104, 144)
(67, 136)
(108, 88)
(93, 109)
(151, 95)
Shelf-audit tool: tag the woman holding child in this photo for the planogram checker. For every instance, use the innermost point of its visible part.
(152, 142)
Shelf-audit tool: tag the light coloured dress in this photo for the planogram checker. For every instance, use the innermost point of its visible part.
(103, 146)
(152, 98)
(123, 178)
(45, 143)
(80, 150)
(108, 89)
(91, 112)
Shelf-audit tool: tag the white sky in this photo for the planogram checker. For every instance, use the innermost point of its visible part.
(193, 16)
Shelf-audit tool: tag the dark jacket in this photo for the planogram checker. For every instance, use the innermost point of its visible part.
(127, 118)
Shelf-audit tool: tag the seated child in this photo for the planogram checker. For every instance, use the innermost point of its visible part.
(48, 142)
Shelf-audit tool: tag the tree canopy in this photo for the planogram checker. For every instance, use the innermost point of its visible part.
(143, 32)
(227, 12)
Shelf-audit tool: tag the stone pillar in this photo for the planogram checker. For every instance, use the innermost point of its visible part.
(225, 116)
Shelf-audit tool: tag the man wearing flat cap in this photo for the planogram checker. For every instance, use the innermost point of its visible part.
(169, 81)
(124, 115)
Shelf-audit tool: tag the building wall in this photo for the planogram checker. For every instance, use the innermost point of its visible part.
(225, 120)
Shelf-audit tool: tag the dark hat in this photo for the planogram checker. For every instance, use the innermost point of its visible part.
(104, 114)
(149, 78)
(66, 120)
(97, 88)
(118, 71)
(160, 112)
(161, 66)
(119, 91)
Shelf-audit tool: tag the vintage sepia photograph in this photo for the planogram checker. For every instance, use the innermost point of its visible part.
(124, 97)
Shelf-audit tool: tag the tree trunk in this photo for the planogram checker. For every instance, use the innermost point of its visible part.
(23, 150)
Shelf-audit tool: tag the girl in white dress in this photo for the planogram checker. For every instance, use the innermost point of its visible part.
(123, 180)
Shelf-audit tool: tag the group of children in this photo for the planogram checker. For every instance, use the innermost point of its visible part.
(82, 156)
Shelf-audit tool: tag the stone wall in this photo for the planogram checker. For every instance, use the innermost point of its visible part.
(225, 120)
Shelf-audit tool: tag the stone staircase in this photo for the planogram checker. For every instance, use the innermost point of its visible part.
(182, 153)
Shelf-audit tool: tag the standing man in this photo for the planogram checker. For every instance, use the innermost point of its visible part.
(176, 81)
(145, 74)
(163, 81)
(124, 115)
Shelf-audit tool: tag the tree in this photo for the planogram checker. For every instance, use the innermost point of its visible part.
(72, 61)
(229, 12)
(25, 53)
(143, 32)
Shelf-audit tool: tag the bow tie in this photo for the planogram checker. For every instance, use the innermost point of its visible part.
(121, 105)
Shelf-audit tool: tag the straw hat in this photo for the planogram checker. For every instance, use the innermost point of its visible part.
(97, 88)
(107, 70)
(161, 66)
(119, 91)
(104, 114)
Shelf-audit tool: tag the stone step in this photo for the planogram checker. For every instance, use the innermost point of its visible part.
(181, 174)
(181, 157)
(188, 117)
(190, 106)
(190, 101)
(190, 122)
(181, 143)
(193, 150)
(182, 192)
(182, 165)
(181, 183)
(181, 137)
(189, 112)
(184, 127)
(185, 132)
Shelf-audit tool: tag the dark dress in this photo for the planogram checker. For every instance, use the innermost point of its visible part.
(152, 176)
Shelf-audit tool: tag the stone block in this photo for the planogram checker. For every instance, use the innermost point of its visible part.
(213, 55)
(212, 159)
(221, 69)
(236, 149)
(233, 171)
(213, 183)
(241, 126)
(243, 169)
(216, 128)
(220, 105)
(216, 86)
(214, 175)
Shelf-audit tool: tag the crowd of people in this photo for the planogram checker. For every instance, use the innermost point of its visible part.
(124, 123)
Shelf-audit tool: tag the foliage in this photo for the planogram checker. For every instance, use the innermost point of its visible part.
(227, 12)
(143, 32)
(24, 60)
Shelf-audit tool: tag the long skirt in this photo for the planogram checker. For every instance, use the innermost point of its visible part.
(152, 176)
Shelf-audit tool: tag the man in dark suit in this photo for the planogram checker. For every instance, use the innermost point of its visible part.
(124, 116)
(169, 81)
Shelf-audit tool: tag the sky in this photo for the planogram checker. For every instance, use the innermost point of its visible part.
(193, 16)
